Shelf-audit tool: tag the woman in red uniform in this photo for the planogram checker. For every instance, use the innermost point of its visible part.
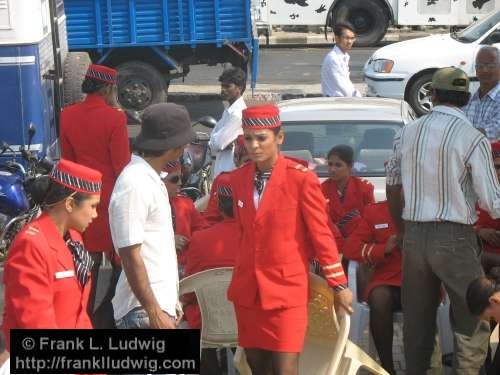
(212, 213)
(281, 213)
(373, 242)
(94, 133)
(186, 219)
(347, 195)
(47, 272)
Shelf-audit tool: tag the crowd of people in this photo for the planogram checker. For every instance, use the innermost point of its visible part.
(270, 218)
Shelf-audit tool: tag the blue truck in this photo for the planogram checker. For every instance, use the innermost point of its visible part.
(151, 42)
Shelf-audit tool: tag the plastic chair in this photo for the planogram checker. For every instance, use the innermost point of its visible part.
(219, 329)
(327, 351)
(361, 317)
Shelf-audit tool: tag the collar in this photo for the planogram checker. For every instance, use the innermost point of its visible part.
(493, 93)
(137, 160)
(95, 99)
(239, 104)
(451, 111)
(338, 51)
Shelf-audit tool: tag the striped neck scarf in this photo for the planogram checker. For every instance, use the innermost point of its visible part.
(81, 257)
(260, 180)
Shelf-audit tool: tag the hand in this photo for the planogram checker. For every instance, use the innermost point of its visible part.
(159, 319)
(391, 244)
(180, 242)
(490, 236)
(343, 302)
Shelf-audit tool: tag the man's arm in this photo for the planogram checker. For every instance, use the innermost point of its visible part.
(226, 134)
(394, 186)
(137, 277)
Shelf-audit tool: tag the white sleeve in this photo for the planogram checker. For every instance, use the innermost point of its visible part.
(484, 177)
(340, 80)
(393, 167)
(222, 136)
(128, 212)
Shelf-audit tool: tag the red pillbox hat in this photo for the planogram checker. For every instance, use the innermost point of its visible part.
(261, 117)
(77, 177)
(102, 73)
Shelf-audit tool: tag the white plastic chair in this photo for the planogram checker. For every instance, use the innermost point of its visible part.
(327, 351)
(219, 329)
(361, 317)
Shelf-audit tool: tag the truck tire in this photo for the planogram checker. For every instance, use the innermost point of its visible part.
(75, 67)
(140, 85)
(369, 18)
(418, 94)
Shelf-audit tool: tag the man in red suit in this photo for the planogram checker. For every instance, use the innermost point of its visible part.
(211, 248)
(94, 133)
(185, 218)
(373, 242)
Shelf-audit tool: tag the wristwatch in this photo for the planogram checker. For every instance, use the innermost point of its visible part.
(339, 288)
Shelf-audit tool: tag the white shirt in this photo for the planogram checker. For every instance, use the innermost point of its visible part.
(444, 166)
(335, 80)
(139, 213)
(225, 132)
(485, 112)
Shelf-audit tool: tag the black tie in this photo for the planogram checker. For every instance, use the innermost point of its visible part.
(83, 260)
(260, 180)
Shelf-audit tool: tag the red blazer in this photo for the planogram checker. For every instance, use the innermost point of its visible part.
(94, 134)
(212, 213)
(41, 288)
(209, 249)
(366, 245)
(288, 229)
(358, 194)
(486, 221)
(187, 221)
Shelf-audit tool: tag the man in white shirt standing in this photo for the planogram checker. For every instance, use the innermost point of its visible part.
(141, 223)
(232, 82)
(335, 80)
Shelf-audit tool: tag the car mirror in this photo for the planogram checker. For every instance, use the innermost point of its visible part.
(493, 38)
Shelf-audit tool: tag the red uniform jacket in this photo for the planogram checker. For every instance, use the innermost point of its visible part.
(357, 195)
(187, 221)
(486, 221)
(210, 248)
(289, 228)
(212, 213)
(95, 135)
(41, 288)
(366, 244)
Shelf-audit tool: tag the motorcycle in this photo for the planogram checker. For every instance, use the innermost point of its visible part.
(197, 162)
(20, 189)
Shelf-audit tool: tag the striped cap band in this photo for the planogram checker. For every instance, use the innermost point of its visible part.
(77, 177)
(261, 117)
(261, 123)
(102, 73)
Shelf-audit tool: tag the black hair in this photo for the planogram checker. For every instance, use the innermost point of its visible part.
(478, 294)
(47, 192)
(91, 86)
(343, 152)
(234, 75)
(339, 28)
(148, 153)
(225, 205)
(455, 98)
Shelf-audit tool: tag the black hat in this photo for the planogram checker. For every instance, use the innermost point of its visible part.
(164, 126)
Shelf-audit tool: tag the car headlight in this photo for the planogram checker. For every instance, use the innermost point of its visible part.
(383, 65)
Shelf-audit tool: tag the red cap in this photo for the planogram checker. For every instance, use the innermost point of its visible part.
(261, 117)
(224, 185)
(495, 149)
(77, 177)
(172, 166)
(102, 73)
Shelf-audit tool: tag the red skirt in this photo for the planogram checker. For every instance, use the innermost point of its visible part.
(280, 330)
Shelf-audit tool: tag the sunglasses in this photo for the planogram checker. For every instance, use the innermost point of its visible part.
(174, 179)
(497, 166)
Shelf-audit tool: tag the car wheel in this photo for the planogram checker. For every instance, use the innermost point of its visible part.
(419, 94)
(75, 67)
(140, 85)
(368, 17)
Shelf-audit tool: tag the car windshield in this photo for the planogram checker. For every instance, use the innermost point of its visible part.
(478, 29)
(371, 142)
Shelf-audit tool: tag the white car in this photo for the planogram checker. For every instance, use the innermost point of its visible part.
(313, 126)
(404, 70)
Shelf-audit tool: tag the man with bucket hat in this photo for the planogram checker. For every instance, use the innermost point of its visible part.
(444, 166)
(141, 223)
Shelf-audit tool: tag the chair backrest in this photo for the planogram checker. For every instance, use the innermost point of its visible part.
(374, 159)
(298, 141)
(218, 320)
(300, 154)
(325, 339)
